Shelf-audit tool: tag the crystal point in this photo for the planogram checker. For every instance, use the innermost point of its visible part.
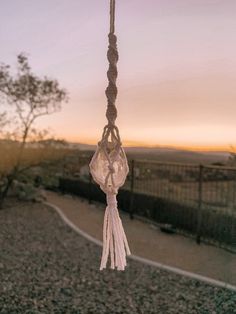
(109, 167)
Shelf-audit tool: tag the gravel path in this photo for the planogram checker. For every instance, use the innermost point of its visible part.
(146, 240)
(45, 267)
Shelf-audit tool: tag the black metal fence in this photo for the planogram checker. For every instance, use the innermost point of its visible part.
(196, 199)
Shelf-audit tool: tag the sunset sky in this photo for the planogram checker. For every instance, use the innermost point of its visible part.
(177, 66)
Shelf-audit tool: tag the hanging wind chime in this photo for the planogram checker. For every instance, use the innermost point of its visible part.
(109, 166)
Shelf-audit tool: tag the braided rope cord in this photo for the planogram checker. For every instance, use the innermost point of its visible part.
(112, 56)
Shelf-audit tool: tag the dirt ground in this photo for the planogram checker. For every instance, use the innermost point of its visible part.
(46, 267)
(148, 241)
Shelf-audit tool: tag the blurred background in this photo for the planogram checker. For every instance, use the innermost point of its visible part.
(176, 115)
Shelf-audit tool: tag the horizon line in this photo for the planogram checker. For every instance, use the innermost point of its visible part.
(140, 144)
(203, 148)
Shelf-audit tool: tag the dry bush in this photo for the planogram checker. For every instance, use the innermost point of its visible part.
(9, 153)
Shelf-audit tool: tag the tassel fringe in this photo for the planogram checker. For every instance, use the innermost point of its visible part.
(114, 238)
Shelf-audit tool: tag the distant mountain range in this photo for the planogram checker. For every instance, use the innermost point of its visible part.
(167, 154)
(164, 154)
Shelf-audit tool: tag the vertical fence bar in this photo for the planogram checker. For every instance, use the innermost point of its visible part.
(199, 214)
(131, 204)
(90, 188)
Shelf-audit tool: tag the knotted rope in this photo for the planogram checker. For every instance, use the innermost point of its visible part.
(109, 165)
(112, 56)
(111, 91)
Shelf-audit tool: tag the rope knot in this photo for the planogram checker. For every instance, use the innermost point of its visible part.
(112, 38)
(111, 169)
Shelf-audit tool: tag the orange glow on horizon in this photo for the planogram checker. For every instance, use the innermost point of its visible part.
(130, 143)
(170, 95)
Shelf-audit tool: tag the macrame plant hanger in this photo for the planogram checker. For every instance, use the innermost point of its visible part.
(109, 166)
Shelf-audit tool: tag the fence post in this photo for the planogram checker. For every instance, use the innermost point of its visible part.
(199, 214)
(131, 204)
(90, 188)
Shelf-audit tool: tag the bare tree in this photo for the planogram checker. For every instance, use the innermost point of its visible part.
(28, 97)
(3, 121)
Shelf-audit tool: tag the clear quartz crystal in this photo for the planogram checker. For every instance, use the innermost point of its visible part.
(109, 167)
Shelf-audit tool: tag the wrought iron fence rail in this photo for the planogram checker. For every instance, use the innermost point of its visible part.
(209, 191)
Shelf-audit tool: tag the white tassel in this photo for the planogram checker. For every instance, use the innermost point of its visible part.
(114, 238)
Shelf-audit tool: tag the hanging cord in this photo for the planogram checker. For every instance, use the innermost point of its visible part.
(112, 56)
(112, 16)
